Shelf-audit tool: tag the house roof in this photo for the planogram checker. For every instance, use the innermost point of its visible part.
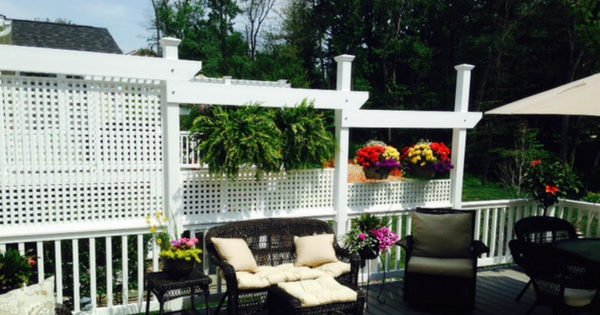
(63, 36)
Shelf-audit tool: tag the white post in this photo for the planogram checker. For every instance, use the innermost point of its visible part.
(459, 136)
(342, 135)
(171, 150)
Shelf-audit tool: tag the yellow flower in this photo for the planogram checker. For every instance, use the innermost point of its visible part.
(153, 229)
(159, 241)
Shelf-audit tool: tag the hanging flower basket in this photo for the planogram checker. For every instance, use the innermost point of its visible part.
(422, 173)
(178, 268)
(376, 172)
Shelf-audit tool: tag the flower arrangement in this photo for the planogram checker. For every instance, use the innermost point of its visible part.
(15, 269)
(182, 249)
(548, 181)
(427, 155)
(370, 232)
(378, 154)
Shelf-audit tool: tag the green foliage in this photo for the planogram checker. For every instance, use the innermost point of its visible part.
(15, 270)
(548, 180)
(368, 222)
(592, 197)
(306, 140)
(230, 139)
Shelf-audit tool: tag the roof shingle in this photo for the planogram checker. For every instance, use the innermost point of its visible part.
(63, 36)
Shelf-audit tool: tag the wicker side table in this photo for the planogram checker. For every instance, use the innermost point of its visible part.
(166, 289)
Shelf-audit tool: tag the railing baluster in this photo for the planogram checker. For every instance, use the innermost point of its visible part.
(124, 270)
(109, 272)
(76, 297)
(93, 274)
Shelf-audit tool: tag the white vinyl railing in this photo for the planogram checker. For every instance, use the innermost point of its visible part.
(108, 265)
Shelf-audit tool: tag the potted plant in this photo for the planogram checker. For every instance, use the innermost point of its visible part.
(15, 269)
(306, 139)
(369, 237)
(547, 181)
(377, 159)
(230, 138)
(426, 159)
(178, 255)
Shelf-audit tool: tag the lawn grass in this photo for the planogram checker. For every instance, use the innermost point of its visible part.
(473, 190)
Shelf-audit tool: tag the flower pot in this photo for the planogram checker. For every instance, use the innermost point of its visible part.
(376, 172)
(422, 173)
(368, 253)
(178, 268)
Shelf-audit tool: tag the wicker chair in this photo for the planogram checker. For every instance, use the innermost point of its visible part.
(441, 259)
(541, 230)
(563, 281)
(272, 243)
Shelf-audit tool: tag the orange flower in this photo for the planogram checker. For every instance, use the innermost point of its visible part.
(551, 189)
(31, 261)
(535, 163)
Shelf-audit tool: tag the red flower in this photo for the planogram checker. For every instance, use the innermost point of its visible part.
(535, 163)
(31, 261)
(369, 155)
(551, 189)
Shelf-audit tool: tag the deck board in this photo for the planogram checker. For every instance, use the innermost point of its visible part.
(496, 292)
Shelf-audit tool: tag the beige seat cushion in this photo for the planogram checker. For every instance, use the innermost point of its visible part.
(334, 269)
(456, 267)
(578, 297)
(267, 276)
(442, 235)
(235, 251)
(321, 291)
(33, 299)
(314, 250)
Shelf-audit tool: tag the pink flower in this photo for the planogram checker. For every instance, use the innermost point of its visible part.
(362, 237)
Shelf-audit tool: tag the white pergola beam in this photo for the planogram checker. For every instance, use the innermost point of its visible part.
(409, 119)
(45, 60)
(223, 94)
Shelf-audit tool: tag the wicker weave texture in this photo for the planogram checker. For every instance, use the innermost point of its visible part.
(272, 243)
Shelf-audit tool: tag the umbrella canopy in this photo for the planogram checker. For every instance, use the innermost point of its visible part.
(581, 97)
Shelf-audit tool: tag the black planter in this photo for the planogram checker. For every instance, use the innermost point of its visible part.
(178, 268)
(376, 172)
(368, 253)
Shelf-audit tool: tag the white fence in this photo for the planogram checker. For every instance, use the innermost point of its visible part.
(107, 266)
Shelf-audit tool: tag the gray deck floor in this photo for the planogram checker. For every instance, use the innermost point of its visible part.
(496, 292)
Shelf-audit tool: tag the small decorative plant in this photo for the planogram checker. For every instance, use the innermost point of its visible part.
(378, 154)
(427, 155)
(548, 181)
(370, 232)
(170, 248)
(15, 269)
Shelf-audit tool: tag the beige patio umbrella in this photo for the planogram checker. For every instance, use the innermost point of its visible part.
(581, 97)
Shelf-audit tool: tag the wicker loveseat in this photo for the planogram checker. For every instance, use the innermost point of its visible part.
(271, 242)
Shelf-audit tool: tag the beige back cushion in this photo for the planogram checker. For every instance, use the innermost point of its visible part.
(442, 235)
(314, 250)
(235, 251)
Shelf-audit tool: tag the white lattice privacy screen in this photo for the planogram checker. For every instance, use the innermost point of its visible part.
(207, 199)
(399, 195)
(74, 150)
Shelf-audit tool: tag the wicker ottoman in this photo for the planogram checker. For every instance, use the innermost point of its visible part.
(289, 301)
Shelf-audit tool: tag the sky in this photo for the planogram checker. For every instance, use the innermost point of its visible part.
(126, 20)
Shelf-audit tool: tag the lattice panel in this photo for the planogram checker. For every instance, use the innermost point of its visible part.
(77, 150)
(407, 194)
(204, 195)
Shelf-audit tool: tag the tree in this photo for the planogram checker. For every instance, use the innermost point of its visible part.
(256, 11)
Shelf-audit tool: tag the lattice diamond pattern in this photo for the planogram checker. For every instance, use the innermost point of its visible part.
(75, 150)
